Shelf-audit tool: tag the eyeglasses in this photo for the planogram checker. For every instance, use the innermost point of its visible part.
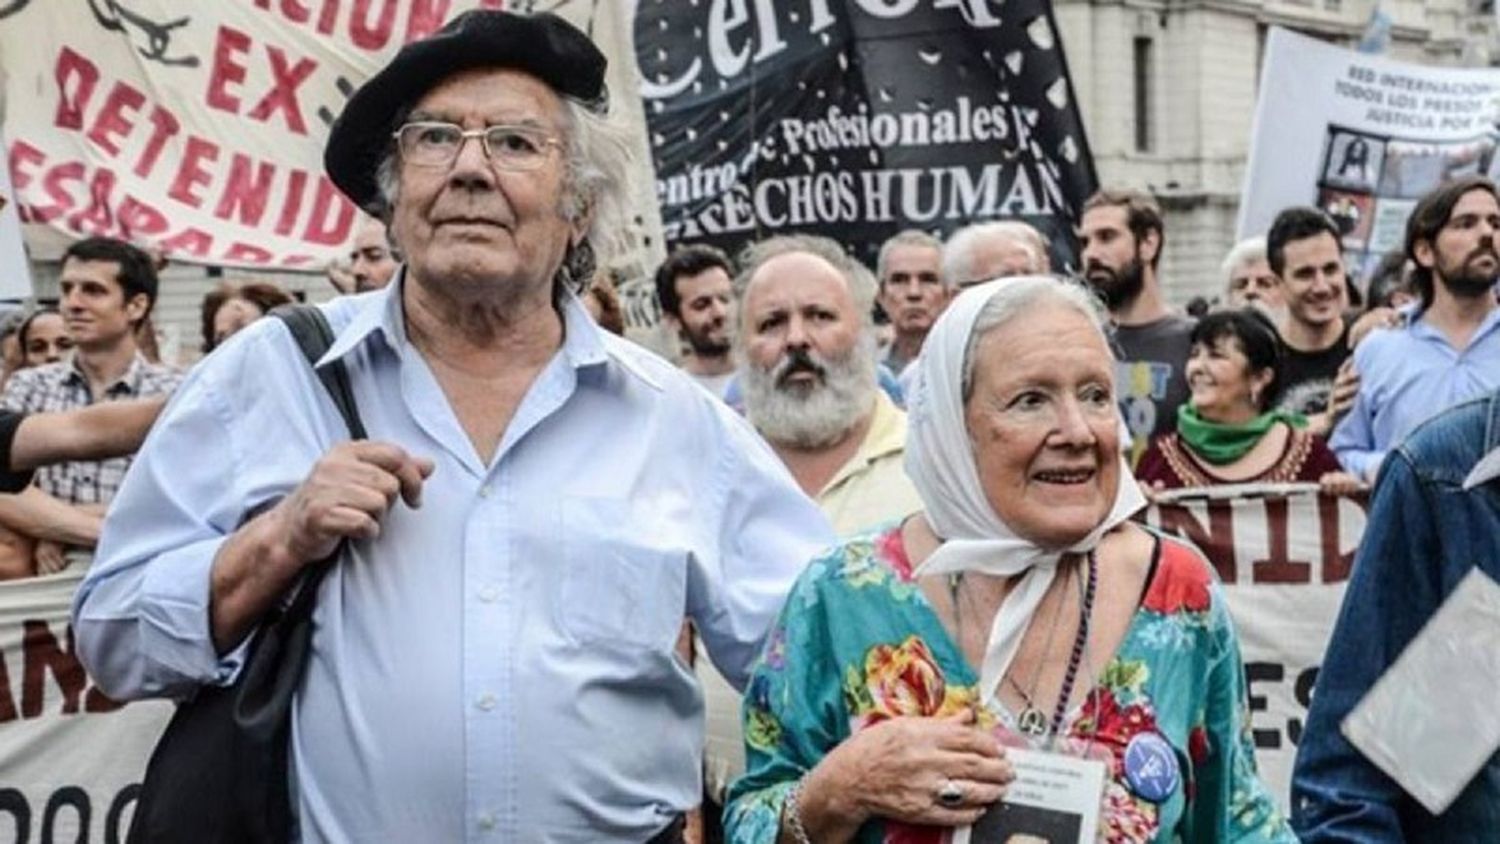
(435, 144)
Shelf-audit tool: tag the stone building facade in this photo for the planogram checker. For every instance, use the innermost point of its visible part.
(1168, 91)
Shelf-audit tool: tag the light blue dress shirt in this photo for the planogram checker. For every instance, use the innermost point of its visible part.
(499, 664)
(1406, 376)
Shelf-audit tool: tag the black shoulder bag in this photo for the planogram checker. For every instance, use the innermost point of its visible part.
(219, 772)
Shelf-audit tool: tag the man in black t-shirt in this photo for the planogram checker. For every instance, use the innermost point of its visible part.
(96, 432)
(1120, 239)
(1304, 251)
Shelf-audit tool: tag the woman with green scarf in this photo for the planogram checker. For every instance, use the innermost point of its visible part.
(1228, 431)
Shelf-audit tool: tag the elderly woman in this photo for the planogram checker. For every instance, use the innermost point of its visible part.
(1228, 431)
(1020, 608)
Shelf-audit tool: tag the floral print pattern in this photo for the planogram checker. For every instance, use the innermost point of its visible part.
(858, 644)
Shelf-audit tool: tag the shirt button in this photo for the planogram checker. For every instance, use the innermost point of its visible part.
(489, 594)
(484, 491)
(487, 821)
(485, 702)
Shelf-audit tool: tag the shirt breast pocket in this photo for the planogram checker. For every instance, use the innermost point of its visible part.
(621, 583)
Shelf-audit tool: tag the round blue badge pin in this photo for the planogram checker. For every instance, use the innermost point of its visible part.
(1151, 768)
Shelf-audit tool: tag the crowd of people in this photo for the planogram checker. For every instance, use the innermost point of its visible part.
(896, 509)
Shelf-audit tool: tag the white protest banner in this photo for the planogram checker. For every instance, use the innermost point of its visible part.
(71, 759)
(1284, 555)
(1362, 137)
(15, 272)
(200, 126)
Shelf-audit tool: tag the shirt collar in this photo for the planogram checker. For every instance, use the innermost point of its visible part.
(1422, 328)
(131, 377)
(584, 344)
(886, 436)
(376, 311)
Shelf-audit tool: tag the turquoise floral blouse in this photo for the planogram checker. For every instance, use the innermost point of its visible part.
(857, 643)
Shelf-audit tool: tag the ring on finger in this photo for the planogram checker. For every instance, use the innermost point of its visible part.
(950, 793)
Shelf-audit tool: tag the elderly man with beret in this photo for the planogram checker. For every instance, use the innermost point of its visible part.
(497, 664)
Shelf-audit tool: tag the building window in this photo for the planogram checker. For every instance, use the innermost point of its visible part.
(1145, 72)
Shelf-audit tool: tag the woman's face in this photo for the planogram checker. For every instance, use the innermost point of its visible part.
(47, 340)
(1222, 385)
(1043, 424)
(233, 315)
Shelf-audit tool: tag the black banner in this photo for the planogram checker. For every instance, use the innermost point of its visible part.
(858, 118)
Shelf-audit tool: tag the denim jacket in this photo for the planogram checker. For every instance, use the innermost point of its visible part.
(1425, 531)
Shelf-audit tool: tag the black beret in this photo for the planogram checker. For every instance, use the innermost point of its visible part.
(543, 45)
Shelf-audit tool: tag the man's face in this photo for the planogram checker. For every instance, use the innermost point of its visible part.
(1113, 261)
(94, 306)
(1464, 258)
(1313, 274)
(706, 300)
(1254, 282)
(473, 231)
(912, 292)
(809, 367)
(370, 261)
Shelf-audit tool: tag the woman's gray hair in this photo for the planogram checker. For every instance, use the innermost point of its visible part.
(598, 154)
(1014, 298)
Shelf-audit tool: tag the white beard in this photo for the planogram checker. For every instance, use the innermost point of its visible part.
(818, 416)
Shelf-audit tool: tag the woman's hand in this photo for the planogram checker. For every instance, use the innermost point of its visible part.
(51, 557)
(1152, 490)
(1345, 389)
(895, 770)
(1340, 483)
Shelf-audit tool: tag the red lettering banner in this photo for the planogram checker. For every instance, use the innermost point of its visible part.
(1284, 553)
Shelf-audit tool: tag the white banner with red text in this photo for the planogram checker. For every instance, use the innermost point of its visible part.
(199, 127)
(1284, 553)
(71, 759)
(15, 272)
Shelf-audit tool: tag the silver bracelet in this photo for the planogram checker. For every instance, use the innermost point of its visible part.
(791, 812)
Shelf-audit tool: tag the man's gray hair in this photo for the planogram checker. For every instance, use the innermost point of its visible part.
(857, 276)
(958, 255)
(1246, 251)
(598, 158)
(908, 237)
(1019, 295)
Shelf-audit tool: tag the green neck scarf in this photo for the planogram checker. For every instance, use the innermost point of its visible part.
(1219, 443)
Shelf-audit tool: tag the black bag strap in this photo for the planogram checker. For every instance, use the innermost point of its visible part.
(273, 671)
(311, 331)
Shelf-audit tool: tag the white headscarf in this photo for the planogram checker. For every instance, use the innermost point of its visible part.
(940, 463)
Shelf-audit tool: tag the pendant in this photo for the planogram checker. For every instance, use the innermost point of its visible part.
(1032, 722)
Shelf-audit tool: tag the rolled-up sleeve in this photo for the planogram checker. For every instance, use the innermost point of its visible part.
(768, 532)
(141, 616)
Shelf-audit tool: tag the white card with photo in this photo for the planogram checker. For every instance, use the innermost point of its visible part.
(1430, 721)
(1054, 799)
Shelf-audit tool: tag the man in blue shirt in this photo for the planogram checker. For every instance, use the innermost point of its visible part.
(498, 664)
(1433, 518)
(1449, 348)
